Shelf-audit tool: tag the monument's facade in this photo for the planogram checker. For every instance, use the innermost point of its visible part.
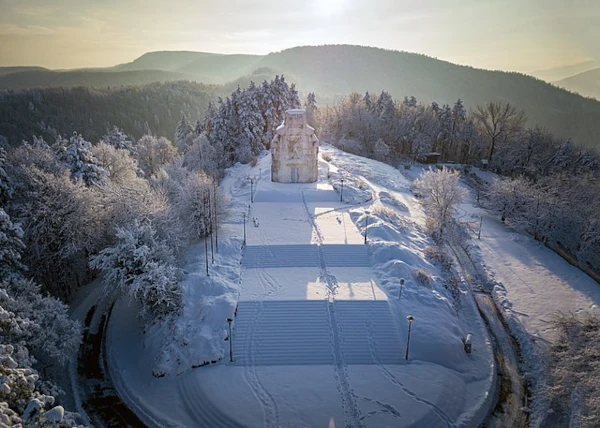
(295, 150)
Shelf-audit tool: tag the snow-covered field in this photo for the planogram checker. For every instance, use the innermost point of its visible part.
(320, 329)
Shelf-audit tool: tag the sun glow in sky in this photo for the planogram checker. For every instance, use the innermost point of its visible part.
(521, 35)
(328, 8)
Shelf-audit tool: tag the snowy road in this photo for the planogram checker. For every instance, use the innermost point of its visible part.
(538, 282)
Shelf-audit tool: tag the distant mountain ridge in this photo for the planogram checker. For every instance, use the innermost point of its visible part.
(336, 70)
(586, 83)
(559, 73)
(20, 69)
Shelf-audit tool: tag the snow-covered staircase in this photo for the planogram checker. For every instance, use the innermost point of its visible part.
(305, 255)
(343, 255)
(300, 333)
(273, 256)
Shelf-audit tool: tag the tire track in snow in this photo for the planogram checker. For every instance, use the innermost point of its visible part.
(273, 285)
(265, 399)
(394, 380)
(352, 413)
(386, 408)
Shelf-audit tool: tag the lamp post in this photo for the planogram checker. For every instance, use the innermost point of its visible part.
(252, 180)
(215, 214)
(410, 319)
(229, 320)
(342, 191)
(244, 242)
(401, 285)
(366, 226)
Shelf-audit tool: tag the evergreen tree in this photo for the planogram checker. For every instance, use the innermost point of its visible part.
(77, 154)
(311, 109)
(11, 247)
(182, 132)
(117, 138)
(6, 186)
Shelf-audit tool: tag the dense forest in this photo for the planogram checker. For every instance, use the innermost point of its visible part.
(137, 110)
(332, 71)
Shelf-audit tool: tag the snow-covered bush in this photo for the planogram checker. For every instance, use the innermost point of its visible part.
(422, 277)
(142, 266)
(574, 385)
(437, 255)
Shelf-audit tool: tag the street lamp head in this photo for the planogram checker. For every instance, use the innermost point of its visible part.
(410, 318)
(229, 320)
(401, 281)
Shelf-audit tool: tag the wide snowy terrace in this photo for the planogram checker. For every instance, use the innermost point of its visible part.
(319, 339)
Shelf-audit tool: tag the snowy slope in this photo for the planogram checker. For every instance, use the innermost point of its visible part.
(319, 335)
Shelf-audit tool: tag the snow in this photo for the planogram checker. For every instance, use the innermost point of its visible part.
(530, 284)
(531, 281)
(319, 331)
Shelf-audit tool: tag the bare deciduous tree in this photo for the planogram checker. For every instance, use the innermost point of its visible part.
(499, 121)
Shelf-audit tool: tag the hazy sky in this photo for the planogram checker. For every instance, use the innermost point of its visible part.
(521, 35)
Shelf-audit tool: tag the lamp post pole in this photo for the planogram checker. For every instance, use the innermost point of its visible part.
(215, 215)
(366, 227)
(342, 191)
(229, 320)
(244, 242)
(252, 180)
(401, 286)
(410, 319)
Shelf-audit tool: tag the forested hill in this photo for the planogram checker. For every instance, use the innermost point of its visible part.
(136, 110)
(336, 70)
(11, 70)
(342, 69)
(93, 78)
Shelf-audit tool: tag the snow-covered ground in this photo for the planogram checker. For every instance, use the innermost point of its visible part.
(530, 284)
(320, 329)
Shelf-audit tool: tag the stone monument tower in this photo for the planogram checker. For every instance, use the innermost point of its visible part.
(295, 150)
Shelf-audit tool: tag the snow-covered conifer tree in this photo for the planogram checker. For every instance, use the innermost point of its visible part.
(311, 109)
(11, 247)
(117, 138)
(183, 133)
(6, 186)
(77, 154)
